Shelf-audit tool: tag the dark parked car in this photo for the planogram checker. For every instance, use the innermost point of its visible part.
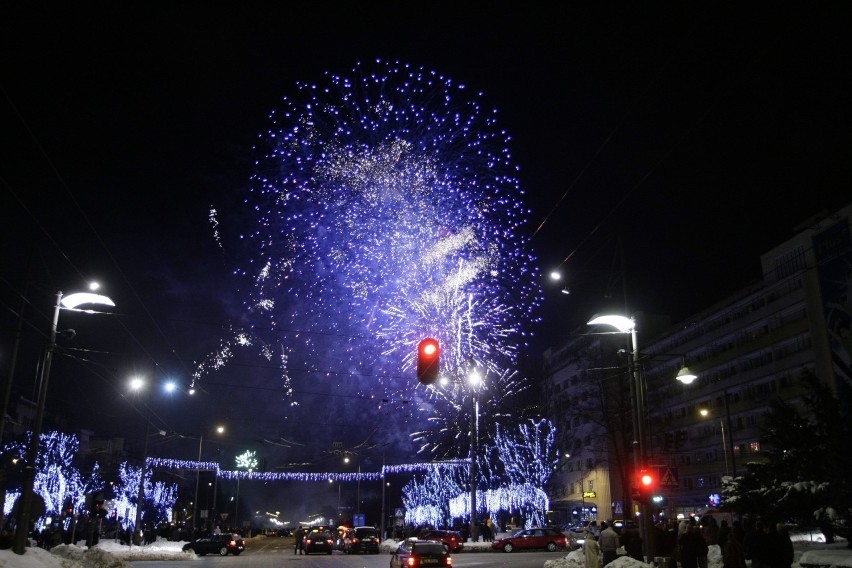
(318, 540)
(361, 540)
(546, 538)
(221, 544)
(452, 540)
(414, 553)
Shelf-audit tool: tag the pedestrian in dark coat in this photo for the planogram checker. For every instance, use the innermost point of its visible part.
(722, 535)
(693, 548)
(780, 546)
(733, 555)
(756, 545)
(632, 543)
(300, 541)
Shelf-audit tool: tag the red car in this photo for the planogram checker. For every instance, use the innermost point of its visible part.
(548, 539)
(452, 540)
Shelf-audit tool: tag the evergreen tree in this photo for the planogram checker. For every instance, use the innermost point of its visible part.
(808, 454)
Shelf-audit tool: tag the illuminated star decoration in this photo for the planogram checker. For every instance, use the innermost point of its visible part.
(387, 209)
(247, 460)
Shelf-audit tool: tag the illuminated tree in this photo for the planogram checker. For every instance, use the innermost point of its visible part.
(57, 480)
(159, 499)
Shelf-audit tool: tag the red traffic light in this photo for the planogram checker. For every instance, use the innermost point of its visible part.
(428, 361)
(645, 485)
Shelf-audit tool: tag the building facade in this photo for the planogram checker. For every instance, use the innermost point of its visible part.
(745, 350)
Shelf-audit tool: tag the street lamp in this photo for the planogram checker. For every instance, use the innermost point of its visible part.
(382, 528)
(628, 325)
(358, 490)
(475, 380)
(705, 413)
(730, 447)
(136, 385)
(70, 302)
(219, 430)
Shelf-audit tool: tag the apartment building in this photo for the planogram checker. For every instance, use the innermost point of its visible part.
(744, 350)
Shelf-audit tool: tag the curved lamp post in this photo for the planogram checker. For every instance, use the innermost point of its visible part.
(70, 302)
(628, 325)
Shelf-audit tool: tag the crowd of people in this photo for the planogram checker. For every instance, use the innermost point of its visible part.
(686, 544)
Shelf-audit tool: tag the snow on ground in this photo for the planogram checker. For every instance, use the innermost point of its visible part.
(808, 550)
(110, 554)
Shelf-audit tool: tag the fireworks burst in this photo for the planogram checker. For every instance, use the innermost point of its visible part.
(388, 210)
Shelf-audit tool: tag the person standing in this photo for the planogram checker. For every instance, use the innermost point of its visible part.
(591, 551)
(609, 542)
(300, 540)
(780, 546)
(693, 548)
(631, 540)
(756, 545)
(722, 535)
(733, 555)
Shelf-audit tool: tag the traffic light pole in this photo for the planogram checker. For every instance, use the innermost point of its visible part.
(646, 527)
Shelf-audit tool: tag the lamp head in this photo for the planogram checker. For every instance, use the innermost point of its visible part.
(621, 323)
(685, 375)
(71, 301)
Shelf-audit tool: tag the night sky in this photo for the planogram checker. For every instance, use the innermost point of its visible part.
(662, 150)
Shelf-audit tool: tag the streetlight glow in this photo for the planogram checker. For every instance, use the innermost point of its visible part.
(71, 301)
(621, 323)
(685, 376)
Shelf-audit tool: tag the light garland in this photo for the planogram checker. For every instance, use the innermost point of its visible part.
(302, 476)
(182, 464)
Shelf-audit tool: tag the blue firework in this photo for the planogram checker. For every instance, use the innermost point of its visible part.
(387, 210)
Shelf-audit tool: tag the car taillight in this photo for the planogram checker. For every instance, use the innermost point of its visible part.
(449, 561)
(412, 561)
(355, 541)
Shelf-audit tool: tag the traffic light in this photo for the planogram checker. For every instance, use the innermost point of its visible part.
(428, 358)
(647, 484)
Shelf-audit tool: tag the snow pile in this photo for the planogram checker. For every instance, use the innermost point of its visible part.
(577, 559)
(827, 557)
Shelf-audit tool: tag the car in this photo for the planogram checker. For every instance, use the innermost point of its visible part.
(415, 553)
(576, 537)
(546, 538)
(221, 544)
(361, 540)
(452, 540)
(318, 539)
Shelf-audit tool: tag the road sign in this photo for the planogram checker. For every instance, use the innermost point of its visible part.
(668, 477)
(223, 515)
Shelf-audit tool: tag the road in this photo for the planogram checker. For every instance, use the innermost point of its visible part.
(278, 553)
